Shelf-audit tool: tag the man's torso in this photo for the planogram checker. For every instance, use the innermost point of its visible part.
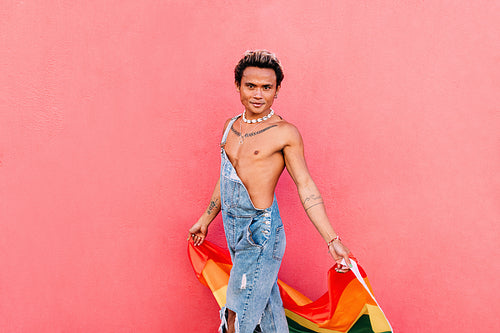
(256, 152)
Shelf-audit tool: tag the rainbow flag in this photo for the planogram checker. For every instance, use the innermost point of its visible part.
(347, 306)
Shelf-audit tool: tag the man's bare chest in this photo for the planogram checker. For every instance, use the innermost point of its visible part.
(254, 147)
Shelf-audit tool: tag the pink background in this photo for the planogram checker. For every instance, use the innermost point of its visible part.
(111, 113)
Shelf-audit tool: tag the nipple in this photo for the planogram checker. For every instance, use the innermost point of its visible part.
(256, 152)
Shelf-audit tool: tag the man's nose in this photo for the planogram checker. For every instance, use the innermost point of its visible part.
(258, 93)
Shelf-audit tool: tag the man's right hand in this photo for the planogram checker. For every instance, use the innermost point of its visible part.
(198, 232)
(340, 252)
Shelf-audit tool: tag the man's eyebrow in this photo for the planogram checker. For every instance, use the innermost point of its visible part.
(255, 84)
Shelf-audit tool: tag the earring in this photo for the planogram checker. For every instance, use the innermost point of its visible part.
(276, 96)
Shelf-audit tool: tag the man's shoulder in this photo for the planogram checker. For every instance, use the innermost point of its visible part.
(228, 120)
(287, 127)
(287, 133)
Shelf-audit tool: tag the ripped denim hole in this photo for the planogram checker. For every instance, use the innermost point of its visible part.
(223, 325)
(243, 282)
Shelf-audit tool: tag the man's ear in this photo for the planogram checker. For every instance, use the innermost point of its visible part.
(237, 87)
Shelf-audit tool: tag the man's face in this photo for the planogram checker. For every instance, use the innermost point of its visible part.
(257, 90)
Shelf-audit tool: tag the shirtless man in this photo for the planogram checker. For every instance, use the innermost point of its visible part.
(256, 146)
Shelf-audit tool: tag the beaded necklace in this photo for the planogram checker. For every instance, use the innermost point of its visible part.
(253, 121)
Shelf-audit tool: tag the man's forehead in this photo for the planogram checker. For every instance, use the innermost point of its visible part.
(258, 74)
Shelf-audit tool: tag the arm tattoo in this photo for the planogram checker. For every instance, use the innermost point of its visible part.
(311, 201)
(213, 204)
(312, 197)
(318, 203)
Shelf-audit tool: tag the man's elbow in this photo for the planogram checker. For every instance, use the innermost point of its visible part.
(304, 183)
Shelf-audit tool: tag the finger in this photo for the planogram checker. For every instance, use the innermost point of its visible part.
(199, 240)
(347, 260)
(341, 269)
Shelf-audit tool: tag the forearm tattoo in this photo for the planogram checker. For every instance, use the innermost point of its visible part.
(213, 204)
(311, 201)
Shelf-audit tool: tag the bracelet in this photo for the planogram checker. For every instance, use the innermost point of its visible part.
(333, 240)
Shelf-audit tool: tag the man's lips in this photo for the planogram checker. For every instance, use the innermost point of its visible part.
(256, 104)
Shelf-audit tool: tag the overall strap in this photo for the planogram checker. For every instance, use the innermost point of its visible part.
(226, 132)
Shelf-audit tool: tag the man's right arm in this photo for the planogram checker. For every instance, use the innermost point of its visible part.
(200, 229)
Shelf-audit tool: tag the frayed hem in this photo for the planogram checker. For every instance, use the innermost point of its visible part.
(223, 321)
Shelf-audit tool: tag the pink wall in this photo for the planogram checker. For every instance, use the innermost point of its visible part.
(109, 128)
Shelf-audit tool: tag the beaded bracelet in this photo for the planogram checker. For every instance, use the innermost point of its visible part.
(333, 240)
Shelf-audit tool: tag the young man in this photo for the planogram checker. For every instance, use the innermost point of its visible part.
(256, 146)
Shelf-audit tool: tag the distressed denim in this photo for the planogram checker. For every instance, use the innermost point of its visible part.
(256, 242)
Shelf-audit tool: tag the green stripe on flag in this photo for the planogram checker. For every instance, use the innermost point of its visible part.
(362, 325)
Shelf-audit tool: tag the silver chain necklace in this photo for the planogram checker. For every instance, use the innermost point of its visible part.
(243, 135)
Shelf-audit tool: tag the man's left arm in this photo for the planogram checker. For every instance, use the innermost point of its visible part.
(310, 196)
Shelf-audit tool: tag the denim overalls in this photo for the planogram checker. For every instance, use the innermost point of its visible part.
(256, 242)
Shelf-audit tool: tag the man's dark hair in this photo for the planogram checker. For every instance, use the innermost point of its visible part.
(261, 59)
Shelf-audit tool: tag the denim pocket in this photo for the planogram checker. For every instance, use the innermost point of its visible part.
(259, 230)
(279, 243)
(231, 193)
